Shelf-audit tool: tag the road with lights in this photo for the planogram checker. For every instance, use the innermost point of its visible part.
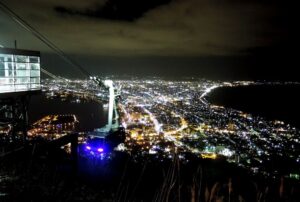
(165, 118)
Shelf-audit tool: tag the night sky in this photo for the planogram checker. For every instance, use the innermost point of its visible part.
(214, 39)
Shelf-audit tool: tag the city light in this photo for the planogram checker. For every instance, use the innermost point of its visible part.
(167, 117)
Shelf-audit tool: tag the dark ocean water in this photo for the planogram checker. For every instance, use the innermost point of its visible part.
(90, 114)
(280, 102)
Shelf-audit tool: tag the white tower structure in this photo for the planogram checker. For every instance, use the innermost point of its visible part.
(111, 104)
(112, 110)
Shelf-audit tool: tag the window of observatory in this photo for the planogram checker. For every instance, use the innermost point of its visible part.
(19, 72)
(2, 70)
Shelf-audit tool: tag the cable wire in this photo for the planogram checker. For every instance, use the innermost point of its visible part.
(19, 20)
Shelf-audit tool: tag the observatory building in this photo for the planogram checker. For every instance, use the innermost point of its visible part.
(19, 70)
(19, 79)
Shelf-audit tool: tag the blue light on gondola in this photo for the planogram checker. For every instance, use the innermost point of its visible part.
(96, 148)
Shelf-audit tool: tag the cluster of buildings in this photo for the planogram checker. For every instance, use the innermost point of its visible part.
(167, 117)
(53, 127)
(73, 90)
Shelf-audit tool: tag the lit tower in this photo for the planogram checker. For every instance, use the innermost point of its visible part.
(112, 111)
(109, 84)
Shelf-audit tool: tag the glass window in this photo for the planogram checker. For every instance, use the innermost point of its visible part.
(2, 69)
(21, 66)
(7, 58)
(34, 59)
(21, 58)
(19, 73)
(10, 69)
(35, 80)
(22, 70)
(35, 66)
(35, 73)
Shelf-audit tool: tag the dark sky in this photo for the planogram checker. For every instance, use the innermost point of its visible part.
(215, 39)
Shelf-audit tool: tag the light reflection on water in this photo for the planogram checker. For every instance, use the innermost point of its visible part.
(90, 114)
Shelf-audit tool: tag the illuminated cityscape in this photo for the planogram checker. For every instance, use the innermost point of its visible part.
(163, 117)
